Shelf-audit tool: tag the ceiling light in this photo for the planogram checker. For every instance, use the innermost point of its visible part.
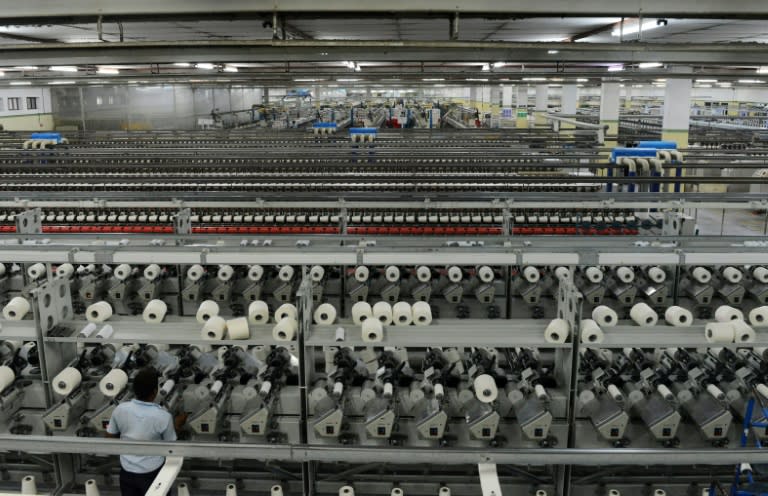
(706, 80)
(497, 65)
(555, 79)
(704, 86)
(750, 81)
(476, 79)
(649, 65)
(582, 80)
(762, 70)
(107, 70)
(229, 68)
(307, 80)
(534, 79)
(615, 68)
(725, 84)
(2, 73)
(635, 27)
(486, 67)
(63, 68)
(20, 83)
(553, 52)
(204, 65)
(347, 80)
(61, 82)
(26, 68)
(433, 79)
(660, 80)
(182, 64)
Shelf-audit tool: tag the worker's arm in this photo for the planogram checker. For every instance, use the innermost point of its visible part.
(113, 430)
(179, 420)
(110, 435)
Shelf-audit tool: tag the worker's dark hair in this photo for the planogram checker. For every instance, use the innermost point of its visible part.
(145, 384)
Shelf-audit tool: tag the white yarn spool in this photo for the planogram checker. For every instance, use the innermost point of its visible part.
(402, 315)
(382, 311)
(719, 332)
(92, 489)
(214, 328)
(231, 490)
(605, 316)
(531, 274)
(66, 381)
(225, 273)
(155, 312)
(372, 331)
(286, 310)
(122, 272)
(665, 392)
(361, 311)
(285, 329)
(758, 317)
(206, 310)
(615, 393)
(325, 314)
(195, 272)
(760, 274)
(485, 274)
(28, 485)
(36, 271)
(643, 315)
(422, 313)
(316, 273)
(255, 273)
(678, 316)
(347, 490)
(594, 274)
(7, 376)
(716, 392)
(392, 273)
(98, 312)
(113, 383)
(105, 332)
(152, 272)
(742, 332)
(64, 271)
(340, 334)
(591, 332)
(656, 274)
(423, 273)
(562, 273)
(286, 273)
(732, 275)
(362, 273)
(238, 328)
(762, 389)
(258, 312)
(701, 275)
(557, 331)
(17, 308)
(485, 388)
(727, 313)
(625, 274)
(455, 274)
(275, 491)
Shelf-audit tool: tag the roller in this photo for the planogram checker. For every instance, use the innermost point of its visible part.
(286, 310)
(455, 274)
(760, 274)
(16, 309)
(724, 313)
(485, 274)
(325, 314)
(402, 314)
(643, 315)
(423, 273)
(732, 275)
(362, 273)
(701, 275)
(286, 273)
(531, 274)
(36, 271)
(625, 274)
(562, 273)
(195, 272)
(656, 274)
(382, 311)
(152, 272)
(361, 311)
(255, 273)
(317, 273)
(206, 310)
(225, 273)
(594, 274)
(392, 273)
(65, 271)
(122, 272)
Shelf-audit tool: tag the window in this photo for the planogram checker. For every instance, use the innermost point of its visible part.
(14, 103)
(31, 102)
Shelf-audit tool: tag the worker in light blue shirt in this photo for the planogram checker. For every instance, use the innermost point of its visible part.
(142, 420)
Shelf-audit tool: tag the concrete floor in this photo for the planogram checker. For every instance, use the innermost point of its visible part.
(737, 222)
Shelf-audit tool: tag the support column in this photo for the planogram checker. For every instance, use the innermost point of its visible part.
(627, 96)
(677, 110)
(541, 104)
(474, 98)
(609, 116)
(521, 101)
(569, 103)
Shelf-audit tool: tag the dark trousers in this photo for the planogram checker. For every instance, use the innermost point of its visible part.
(132, 484)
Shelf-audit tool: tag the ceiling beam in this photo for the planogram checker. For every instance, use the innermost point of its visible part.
(24, 37)
(591, 32)
(747, 9)
(230, 51)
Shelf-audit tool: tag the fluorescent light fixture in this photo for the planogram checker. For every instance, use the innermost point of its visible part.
(2, 73)
(706, 80)
(204, 65)
(229, 68)
(486, 67)
(61, 82)
(497, 65)
(615, 68)
(660, 80)
(555, 85)
(26, 68)
(649, 65)
(635, 27)
(433, 79)
(750, 81)
(553, 52)
(476, 79)
(347, 80)
(307, 80)
(582, 80)
(534, 79)
(182, 64)
(725, 84)
(63, 68)
(556, 79)
(703, 85)
(108, 70)
(762, 70)
(20, 83)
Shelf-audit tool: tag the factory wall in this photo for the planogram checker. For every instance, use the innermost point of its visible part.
(15, 111)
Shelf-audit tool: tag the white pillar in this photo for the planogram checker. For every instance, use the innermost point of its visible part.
(677, 110)
(627, 96)
(506, 96)
(609, 111)
(569, 103)
(521, 102)
(541, 104)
